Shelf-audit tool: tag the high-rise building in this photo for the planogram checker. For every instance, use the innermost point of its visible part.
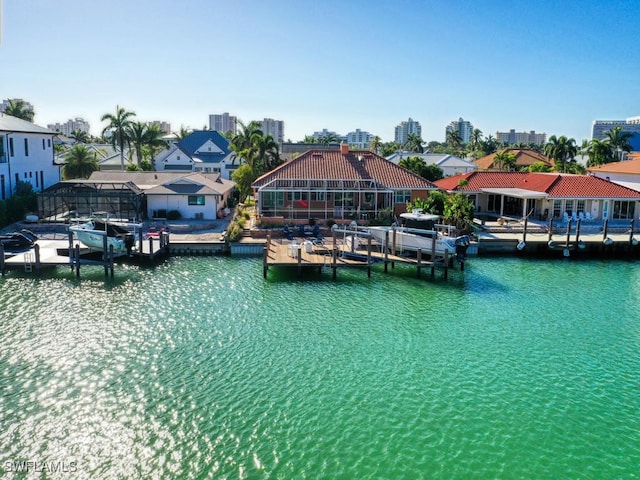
(70, 126)
(359, 139)
(601, 127)
(272, 127)
(164, 126)
(404, 129)
(327, 134)
(463, 128)
(513, 138)
(223, 123)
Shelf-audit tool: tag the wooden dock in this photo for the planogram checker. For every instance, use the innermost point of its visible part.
(46, 254)
(336, 254)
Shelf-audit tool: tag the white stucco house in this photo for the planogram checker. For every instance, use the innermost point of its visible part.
(450, 164)
(26, 154)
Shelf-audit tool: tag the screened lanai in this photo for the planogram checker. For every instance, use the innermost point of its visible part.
(83, 198)
(360, 199)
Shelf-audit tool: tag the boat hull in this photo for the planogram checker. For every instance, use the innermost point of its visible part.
(93, 234)
(414, 240)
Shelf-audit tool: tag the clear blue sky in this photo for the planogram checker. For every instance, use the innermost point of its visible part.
(549, 66)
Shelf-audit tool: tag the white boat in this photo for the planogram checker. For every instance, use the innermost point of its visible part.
(93, 233)
(418, 232)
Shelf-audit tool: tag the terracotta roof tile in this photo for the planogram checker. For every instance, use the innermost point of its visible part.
(629, 166)
(555, 184)
(524, 158)
(355, 165)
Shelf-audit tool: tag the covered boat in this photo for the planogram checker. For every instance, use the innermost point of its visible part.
(18, 241)
(92, 234)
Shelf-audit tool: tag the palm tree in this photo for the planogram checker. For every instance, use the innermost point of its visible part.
(80, 162)
(153, 140)
(80, 136)
(375, 145)
(267, 153)
(504, 160)
(244, 142)
(619, 141)
(476, 139)
(118, 128)
(598, 151)
(453, 140)
(183, 133)
(561, 150)
(137, 133)
(19, 109)
(414, 143)
(413, 164)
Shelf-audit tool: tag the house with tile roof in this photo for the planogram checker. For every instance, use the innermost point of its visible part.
(625, 173)
(26, 154)
(524, 159)
(544, 196)
(203, 151)
(449, 164)
(337, 184)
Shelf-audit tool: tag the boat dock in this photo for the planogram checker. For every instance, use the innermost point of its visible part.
(53, 253)
(336, 254)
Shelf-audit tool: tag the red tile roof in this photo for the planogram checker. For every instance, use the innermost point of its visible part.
(556, 185)
(524, 158)
(355, 165)
(628, 166)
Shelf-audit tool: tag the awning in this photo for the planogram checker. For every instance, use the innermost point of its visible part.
(515, 192)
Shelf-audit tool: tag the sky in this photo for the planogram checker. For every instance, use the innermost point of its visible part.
(549, 66)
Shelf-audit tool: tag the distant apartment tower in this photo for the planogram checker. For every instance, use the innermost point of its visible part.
(5, 104)
(513, 138)
(327, 134)
(272, 127)
(70, 126)
(223, 123)
(463, 128)
(359, 139)
(164, 126)
(601, 127)
(404, 129)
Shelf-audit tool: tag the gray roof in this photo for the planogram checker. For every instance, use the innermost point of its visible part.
(170, 182)
(13, 124)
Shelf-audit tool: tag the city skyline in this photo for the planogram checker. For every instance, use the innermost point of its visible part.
(549, 66)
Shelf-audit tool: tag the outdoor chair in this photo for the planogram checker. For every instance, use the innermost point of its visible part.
(287, 233)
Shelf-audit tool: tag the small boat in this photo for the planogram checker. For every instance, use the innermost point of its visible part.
(18, 241)
(418, 232)
(93, 232)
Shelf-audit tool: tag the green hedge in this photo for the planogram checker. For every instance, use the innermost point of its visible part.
(14, 209)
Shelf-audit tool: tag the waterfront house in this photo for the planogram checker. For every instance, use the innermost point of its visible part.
(524, 158)
(26, 154)
(202, 151)
(449, 164)
(337, 184)
(625, 173)
(544, 196)
(137, 195)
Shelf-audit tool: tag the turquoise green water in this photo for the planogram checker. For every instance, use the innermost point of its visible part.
(200, 368)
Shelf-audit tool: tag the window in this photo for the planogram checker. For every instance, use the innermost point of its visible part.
(26, 147)
(623, 210)
(272, 199)
(580, 206)
(49, 142)
(568, 207)
(491, 203)
(402, 196)
(43, 144)
(2, 186)
(296, 196)
(11, 147)
(196, 199)
(557, 207)
(341, 198)
(318, 196)
(472, 199)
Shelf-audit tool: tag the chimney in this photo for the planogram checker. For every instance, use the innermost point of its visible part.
(344, 148)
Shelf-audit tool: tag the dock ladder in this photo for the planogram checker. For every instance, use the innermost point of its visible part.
(28, 262)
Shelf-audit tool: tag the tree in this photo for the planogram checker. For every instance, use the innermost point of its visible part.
(137, 133)
(80, 136)
(458, 211)
(389, 148)
(244, 176)
(183, 133)
(561, 150)
(435, 202)
(476, 139)
(308, 139)
(432, 172)
(414, 143)
(413, 164)
(504, 160)
(19, 109)
(375, 145)
(619, 141)
(118, 129)
(80, 162)
(453, 140)
(598, 151)
(153, 142)
(539, 167)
